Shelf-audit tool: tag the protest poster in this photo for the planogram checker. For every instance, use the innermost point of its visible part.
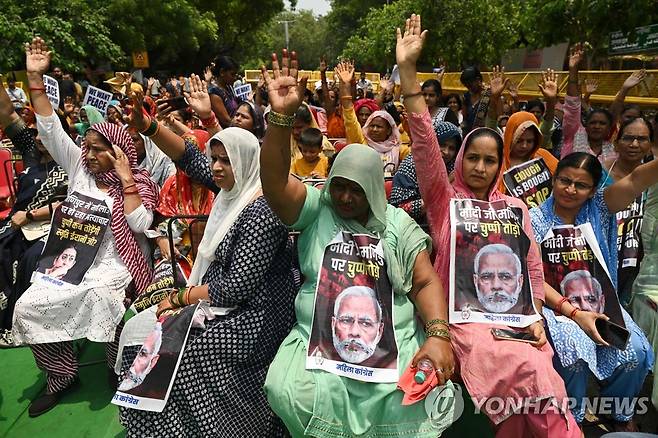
(76, 232)
(530, 182)
(629, 247)
(243, 92)
(574, 266)
(489, 282)
(146, 385)
(161, 286)
(97, 98)
(52, 90)
(352, 332)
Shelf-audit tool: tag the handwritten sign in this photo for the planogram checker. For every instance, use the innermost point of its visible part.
(52, 90)
(97, 98)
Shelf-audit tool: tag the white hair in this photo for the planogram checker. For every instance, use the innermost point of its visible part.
(496, 248)
(582, 275)
(359, 291)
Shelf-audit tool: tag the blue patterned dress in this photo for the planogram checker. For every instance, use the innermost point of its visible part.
(622, 372)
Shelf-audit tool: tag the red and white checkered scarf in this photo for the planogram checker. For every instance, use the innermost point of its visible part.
(125, 241)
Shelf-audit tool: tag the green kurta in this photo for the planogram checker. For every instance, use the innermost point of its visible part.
(645, 288)
(318, 403)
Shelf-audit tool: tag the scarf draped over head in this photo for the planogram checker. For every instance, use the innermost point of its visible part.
(177, 195)
(125, 241)
(368, 103)
(389, 148)
(363, 166)
(445, 131)
(93, 117)
(517, 124)
(461, 190)
(243, 150)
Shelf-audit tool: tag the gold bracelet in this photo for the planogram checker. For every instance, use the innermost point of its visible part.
(440, 333)
(437, 321)
(277, 119)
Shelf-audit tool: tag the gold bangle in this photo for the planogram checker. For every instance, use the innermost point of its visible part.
(440, 333)
(346, 97)
(277, 119)
(437, 321)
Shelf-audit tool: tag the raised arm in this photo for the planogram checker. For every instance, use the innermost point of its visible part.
(620, 195)
(37, 61)
(617, 106)
(345, 72)
(199, 100)
(328, 104)
(433, 181)
(284, 193)
(549, 88)
(497, 85)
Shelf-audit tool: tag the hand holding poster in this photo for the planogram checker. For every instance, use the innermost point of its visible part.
(76, 233)
(352, 332)
(160, 287)
(147, 383)
(530, 182)
(575, 267)
(97, 98)
(489, 282)
(52, 90)
(243, 92)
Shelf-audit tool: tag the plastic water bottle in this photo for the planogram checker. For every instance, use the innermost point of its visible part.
(425, 369)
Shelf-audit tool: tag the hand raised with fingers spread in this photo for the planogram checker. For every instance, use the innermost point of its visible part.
(548, 86)
(136, 118)
(514, 90)
(323, 64)
(576, 55)
(591, 85)
(635, 78)
(410, 43)
(285, 90)
(37, 56)
(199, 99)
(498, 81)
(345, 71)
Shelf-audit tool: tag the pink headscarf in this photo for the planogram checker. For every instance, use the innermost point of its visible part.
(389, 149)
(125, 241)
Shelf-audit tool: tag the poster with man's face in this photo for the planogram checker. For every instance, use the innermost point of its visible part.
(146, 385)
(574, 266)
(78, 227)
(489, 281)
(352, 332)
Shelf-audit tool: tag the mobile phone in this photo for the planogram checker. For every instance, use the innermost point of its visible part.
(614, 334)
(512, 335)
(177, 103)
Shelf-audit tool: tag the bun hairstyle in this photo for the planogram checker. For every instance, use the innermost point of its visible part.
(582, 160)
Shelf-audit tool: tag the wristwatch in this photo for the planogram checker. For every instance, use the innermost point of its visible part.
(29, 216)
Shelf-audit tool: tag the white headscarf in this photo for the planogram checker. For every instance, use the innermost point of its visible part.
(243, 151)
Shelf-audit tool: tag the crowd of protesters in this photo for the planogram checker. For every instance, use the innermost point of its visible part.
(283, 174)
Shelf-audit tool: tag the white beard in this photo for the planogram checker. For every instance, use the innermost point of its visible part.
(503, 304)
(354, 356)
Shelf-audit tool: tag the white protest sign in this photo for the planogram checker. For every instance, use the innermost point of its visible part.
(52, 90)
(243, 92)
(97, 98)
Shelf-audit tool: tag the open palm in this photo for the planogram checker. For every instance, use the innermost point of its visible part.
(410, 43)
(345, 71)
(548, 86)
(37, 56)
(199, 99)
(284, 90)
(498, 81)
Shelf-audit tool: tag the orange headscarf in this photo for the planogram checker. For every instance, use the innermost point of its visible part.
(516, 126)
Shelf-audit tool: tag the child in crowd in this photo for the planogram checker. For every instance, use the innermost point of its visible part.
(312, 164)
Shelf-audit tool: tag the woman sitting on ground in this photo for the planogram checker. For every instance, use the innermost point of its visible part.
(244, 265)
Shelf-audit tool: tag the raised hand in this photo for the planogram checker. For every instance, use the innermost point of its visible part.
(323, 64)
(285, 90)
(199, 99)
(136, 118)
(385, 85)
(514, 90)
(635, 78)
(591, 85)
(345, 71)
(498, 81)
(37, 56)
(410, 43)
(68, 105)
(548, 86)
(576, 55)
(207, 75)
